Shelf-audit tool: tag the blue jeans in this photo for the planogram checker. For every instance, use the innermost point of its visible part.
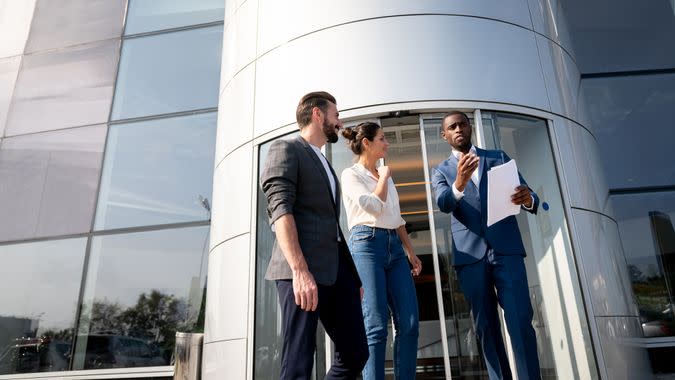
(388, 287)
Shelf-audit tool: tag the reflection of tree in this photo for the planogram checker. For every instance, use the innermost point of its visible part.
(649, 289)
(155, 317)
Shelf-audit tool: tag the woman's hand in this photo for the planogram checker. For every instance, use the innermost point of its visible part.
(416, 264)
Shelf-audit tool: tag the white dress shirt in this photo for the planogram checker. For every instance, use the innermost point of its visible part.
(323, 160)
(365, 208)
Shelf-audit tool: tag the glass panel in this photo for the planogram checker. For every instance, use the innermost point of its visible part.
(630, 119)
(15, 20)
(41, 285)
(169, 72)
(404, 159)
(646, 229)
(69, 87)
(46, 176)
(559, 320)
(157, 172)
(9, 68)
(60, 23)
(130, 314)
(268, 338)
(149, 15)
(606, 35)
(466, 356)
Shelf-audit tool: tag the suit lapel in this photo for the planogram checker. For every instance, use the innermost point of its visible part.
(319, 166)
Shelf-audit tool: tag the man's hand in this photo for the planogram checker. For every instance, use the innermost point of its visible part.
(361, 292)
(305, 290)
(465, 167)
(522, 196)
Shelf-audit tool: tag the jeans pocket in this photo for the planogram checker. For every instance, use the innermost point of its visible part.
(359, 235)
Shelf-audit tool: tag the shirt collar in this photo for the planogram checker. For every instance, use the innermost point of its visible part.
(359, 168)
(456, 153)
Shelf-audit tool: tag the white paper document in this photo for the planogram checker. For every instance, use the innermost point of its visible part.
(502, 181)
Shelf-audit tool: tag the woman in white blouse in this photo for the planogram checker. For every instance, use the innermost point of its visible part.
(376, 241)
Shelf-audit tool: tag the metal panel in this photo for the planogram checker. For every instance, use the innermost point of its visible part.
(228, 285)
(376, 70)
(232, 204)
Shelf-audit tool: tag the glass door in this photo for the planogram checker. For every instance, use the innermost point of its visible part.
(447, 345)
(563, 338)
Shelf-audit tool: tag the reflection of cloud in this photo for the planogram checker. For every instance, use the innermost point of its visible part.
(136, 201)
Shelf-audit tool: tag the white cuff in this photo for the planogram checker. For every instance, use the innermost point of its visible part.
(529, 208)
(457, 194)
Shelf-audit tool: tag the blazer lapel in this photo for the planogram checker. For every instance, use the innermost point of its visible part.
(319, 166)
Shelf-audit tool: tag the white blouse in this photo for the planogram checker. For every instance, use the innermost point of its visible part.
(365, 208)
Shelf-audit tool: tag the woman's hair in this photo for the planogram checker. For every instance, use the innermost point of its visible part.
(355, 135)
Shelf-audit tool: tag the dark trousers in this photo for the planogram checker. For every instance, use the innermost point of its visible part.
(501, 279)
(339, 310)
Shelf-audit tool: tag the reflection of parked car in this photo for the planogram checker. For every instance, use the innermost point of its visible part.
(35, 355)
(656, 324)
(112, 351)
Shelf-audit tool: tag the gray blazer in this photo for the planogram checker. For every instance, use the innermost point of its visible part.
(295, 182)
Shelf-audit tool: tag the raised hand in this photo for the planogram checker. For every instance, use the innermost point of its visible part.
(384, 172)
(465, 167)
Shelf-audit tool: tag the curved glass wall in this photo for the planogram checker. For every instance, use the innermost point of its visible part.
(448, 345)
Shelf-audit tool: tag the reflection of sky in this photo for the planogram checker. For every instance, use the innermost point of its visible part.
(155, 171)
(148, 15)
(617, 106)
(122, 267)
(632, 213)
(168, 72)
(42, 281)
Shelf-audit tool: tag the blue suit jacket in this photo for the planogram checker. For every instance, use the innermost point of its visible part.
(471, 237)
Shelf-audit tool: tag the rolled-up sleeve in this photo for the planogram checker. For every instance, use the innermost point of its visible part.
(355, 189)
(279, 180)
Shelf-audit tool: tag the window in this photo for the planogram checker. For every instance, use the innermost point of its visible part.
(70, 87)
(646, 229)
(41, 284)
(130, 312)
(59, 23)
(149, 15)
(46, 176)
(157, 172)
(168, 73)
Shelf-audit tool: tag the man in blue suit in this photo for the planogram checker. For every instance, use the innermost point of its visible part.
(489, 261)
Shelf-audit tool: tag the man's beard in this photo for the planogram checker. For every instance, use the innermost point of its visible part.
(329, 131)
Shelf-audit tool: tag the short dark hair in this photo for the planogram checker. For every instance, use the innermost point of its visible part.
(303, 114)
(453, 113)
(355, 135)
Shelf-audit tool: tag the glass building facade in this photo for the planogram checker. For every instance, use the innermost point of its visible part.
(133, 134)
(108, 114)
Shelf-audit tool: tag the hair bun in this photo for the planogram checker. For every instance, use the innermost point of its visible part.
(349, 133)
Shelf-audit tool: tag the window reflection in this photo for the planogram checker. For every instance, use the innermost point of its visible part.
(157, 172)
(64, 88)
(58, 24)
(268, 338)
(646, 229)
(617, 105)
(48, 175)
(9, 68)
(40, 283)
(149, 15)
(169, 72)
(130, 313)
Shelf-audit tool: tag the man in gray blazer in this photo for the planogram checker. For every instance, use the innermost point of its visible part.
(315, 275)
